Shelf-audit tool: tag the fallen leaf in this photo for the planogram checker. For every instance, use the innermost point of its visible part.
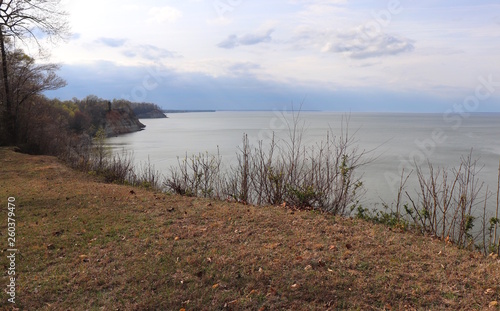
(215, 286)
(176, 238)
(489, 291)
(253, 291)
(493, 304)
(295, 285)
(308, 267)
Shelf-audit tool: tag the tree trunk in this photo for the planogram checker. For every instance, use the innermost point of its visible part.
(9, 118)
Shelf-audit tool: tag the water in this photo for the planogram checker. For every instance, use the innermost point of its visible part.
(395, 141)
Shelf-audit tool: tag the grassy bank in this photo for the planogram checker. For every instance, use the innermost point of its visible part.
(86, 245)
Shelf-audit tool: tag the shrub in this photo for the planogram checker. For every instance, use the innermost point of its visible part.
(447, 205)
(320, 176)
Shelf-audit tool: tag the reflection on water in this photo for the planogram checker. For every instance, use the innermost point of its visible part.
(397, 140)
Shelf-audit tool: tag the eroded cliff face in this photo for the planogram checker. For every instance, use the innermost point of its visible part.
(153, 114)
(122, 121)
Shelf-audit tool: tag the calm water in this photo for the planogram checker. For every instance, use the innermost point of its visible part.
(396, 141)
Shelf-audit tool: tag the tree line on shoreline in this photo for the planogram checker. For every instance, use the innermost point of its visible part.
(29, 120)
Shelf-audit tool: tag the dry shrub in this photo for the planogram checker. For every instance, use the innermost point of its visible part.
(321, 176)
(448, 204)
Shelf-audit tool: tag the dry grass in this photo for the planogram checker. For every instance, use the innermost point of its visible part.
(86, 245)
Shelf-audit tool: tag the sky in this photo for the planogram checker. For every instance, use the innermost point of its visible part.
(336, 55)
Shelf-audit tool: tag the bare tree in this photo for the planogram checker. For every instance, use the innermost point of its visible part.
(27, 80)
(22, 20)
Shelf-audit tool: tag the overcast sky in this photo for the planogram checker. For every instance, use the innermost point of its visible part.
(388, 55)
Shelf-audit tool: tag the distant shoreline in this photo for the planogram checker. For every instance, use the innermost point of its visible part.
(186, 111)
(481, 113)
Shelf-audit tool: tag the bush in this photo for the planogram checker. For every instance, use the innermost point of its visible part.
(448, 205)
(199, 175)
(318, 177)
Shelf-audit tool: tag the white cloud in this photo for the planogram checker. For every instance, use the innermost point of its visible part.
(356, 43)
(361, 45)
(149, 52)
(233, 40)
(164, 14)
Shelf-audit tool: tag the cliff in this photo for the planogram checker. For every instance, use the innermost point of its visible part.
(122, 121)
(152, 114)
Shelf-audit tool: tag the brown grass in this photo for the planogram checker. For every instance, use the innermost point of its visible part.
(86, 245)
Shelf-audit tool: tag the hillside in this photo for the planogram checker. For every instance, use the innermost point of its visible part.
(153, 114)
(147, 111)
(86, 245)
(121, 121)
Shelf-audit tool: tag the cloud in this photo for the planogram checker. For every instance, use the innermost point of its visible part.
(307, 38)
(149, 52)
(145, 51)
(358, 43)
(164, 14)
(243, 68)
(233, 40)
(111, 42)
